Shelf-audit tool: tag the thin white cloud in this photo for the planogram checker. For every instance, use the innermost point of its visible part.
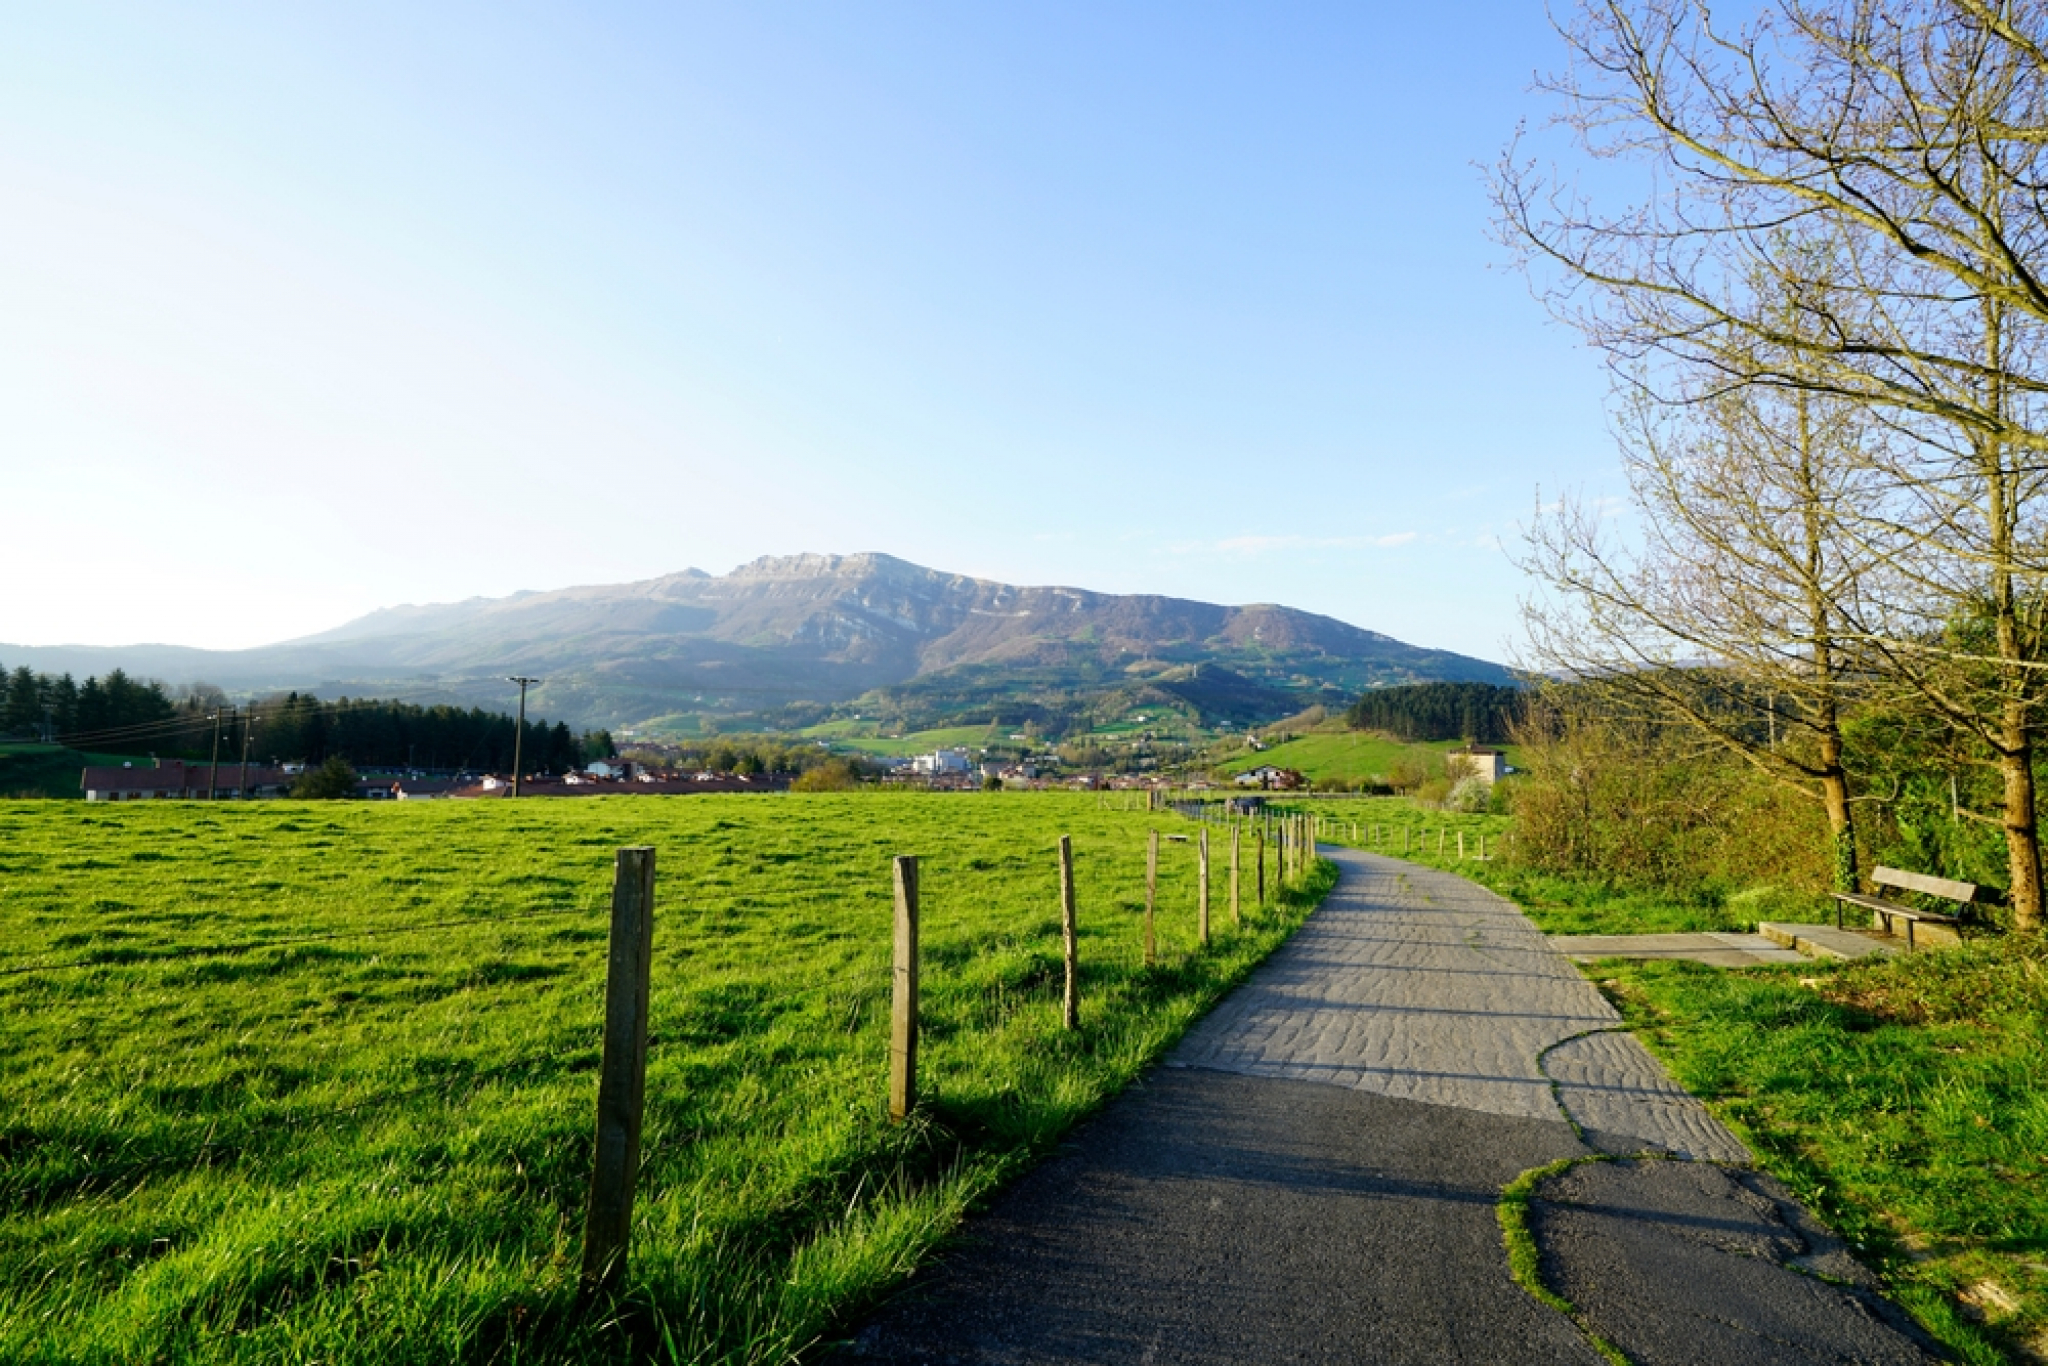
(1248, 546)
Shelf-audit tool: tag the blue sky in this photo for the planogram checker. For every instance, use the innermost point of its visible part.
(313, 310)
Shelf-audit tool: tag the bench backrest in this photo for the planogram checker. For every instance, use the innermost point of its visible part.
(1922, 882)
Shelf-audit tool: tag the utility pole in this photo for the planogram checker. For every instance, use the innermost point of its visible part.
(213, 778)
(248, 729)
(519, 732)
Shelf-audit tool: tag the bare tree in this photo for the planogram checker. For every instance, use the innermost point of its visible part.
(1908, 139)
(1729, 614)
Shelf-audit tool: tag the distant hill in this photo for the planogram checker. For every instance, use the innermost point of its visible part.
(788, 639)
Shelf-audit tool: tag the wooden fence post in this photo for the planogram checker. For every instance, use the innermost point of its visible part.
(1070, 934)
(1406, 831)
(903, 1011)
(1461, 846)
(622, 1076)
(1202, 897)
(1151, 889)
(1262, 866)
(1439, 841)
(1236, 906)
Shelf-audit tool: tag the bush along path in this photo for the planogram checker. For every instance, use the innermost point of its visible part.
(1415, 1134)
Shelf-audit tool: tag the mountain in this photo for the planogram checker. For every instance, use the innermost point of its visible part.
(788, 639)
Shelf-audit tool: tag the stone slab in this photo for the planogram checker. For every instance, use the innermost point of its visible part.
(1825, 941)
(1715, 949)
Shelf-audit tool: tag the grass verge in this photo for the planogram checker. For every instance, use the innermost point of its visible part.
(1525, 1259)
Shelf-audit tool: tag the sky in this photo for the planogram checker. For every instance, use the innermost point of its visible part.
(316, 309)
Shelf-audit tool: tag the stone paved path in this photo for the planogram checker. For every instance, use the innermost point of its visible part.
(1419, 984)
(1314, 1176)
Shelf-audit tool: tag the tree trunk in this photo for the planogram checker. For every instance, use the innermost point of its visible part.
(2022, 837)
(1834, 791)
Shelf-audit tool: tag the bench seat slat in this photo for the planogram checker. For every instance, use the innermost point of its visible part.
(1946, 888)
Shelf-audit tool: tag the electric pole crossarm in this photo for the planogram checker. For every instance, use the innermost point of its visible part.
(519, 731)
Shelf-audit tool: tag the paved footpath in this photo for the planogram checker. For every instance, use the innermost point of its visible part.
(1313, 1177)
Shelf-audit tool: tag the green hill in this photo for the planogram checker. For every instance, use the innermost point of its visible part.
(1342, 756)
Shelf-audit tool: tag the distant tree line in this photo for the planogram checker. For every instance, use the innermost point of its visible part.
(39, 704)
(124, 715)
(1440, 711)
(379, 734)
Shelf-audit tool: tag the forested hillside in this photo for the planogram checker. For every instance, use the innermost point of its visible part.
(37, 704)
(1439, 711)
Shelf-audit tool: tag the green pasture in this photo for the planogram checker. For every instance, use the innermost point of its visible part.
(1341, 756)
(316, 1081)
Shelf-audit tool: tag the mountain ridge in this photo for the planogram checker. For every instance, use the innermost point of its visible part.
(811, 632)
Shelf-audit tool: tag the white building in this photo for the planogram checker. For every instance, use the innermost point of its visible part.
(1483, 762)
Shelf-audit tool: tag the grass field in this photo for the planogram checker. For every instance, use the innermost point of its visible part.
(315, 1082)
(1341, 756)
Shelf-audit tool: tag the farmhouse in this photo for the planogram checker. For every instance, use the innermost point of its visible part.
(1483, 762)
(176, 780)
(1269, 776)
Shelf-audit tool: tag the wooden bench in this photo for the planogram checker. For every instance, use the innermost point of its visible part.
(1887, 915)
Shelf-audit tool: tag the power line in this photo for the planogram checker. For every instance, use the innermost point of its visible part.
(196, 722)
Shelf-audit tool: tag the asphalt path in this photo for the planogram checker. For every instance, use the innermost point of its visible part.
(1314, 1175)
